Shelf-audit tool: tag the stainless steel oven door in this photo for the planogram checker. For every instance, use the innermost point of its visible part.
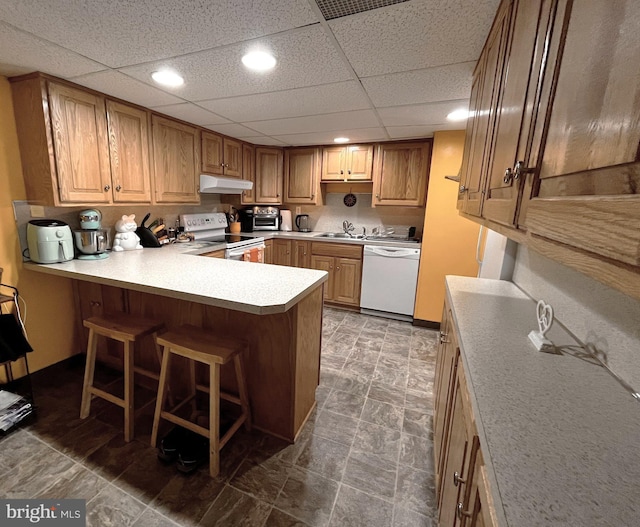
(238, 252)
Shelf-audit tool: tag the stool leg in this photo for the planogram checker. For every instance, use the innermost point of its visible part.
(129, 412)
(162, 382)
(214, 420)
(154, 336)
(89, 370)
(242, 391)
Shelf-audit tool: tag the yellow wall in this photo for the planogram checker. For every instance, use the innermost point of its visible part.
(50, 306)
(449, 241)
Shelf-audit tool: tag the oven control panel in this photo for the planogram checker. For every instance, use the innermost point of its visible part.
(203, 221)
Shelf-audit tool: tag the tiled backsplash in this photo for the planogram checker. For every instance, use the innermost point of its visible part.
(597, 315)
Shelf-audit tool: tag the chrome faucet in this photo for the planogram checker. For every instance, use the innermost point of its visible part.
(347, 227)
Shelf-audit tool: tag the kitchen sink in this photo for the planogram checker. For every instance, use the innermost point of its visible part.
(343, 235)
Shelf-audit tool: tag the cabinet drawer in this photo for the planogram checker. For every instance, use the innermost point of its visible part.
(337, 249)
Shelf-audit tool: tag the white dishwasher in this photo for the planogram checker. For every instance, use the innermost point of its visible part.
(389, 279)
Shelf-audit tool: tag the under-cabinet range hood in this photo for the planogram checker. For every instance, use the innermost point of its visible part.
(223, 185)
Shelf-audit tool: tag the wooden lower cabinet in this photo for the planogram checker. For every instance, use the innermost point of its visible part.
(301, 254)
(268, 251)
(344, 265)
(215, 254)
(461, 482)
(282, 252)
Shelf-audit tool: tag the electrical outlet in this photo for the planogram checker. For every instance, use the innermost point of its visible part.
(298, 210)
(36, 211)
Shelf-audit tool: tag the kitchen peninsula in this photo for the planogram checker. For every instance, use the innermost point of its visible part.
(277, 309)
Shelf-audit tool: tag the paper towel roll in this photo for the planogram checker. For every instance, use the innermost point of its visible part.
(286, 224)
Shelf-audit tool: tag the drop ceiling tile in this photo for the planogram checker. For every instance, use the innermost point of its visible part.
(420, 114)
(118, 85)
(124, 33)
(191, 113)
(427, 85)
(22, 52)
(416, 132)
(232, 130)
(338, 97)
(263, 140)
(305, 58)
(317, 123)
(415, 35)
(326, 138)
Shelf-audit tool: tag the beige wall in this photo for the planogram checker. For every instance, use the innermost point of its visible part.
(50, 306)
(449, 241)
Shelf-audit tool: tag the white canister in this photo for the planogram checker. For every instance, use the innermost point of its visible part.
(286, 224)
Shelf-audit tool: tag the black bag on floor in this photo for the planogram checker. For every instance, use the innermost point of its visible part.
(13, 344)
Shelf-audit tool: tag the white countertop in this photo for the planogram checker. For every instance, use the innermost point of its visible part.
(170, 271)
(559, 433)
(315, 236)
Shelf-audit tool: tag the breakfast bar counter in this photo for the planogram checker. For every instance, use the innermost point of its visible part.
(277, 309)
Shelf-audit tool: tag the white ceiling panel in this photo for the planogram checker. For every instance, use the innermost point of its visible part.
(317, 123)
(415, 132)
(326, 138)
(305, 58)
(420, 114)
(262, 140)
(119, 33)
(118, 85)
(414, 35)
(191, 113)
(428, 85)
(232, 129)
(338, 97)
(22, 52)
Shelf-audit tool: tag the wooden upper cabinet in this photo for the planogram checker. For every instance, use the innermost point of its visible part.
(221, 155)
(347, 163)
(301, 172)
(248, 173)
(400, 174)
(129, 153)
(79, 129)
(485, 90)
(585, 192)
(176, 148)
(269, 172)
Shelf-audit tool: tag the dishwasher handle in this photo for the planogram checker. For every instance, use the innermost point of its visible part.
(392, 252)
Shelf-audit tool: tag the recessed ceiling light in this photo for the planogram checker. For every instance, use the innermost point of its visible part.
(458, 115)
(259, 61)
(341, 140)
(167, 78)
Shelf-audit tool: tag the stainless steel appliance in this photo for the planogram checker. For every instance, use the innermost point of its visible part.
(49, 241)
(266, 218)
(396, 268)
(91, 241)
(209, 231)
(303, 223)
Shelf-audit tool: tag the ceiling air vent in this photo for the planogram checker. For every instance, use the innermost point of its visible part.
(338, 8)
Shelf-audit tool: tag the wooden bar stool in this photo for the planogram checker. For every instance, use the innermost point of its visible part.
(127, 329)
(199, 345)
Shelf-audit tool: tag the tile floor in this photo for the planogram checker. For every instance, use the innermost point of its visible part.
(365, 458)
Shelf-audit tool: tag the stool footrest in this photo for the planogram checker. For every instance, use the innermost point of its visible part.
(185, 424)
(182, 403)
(234, 428)
(223, 395)
(108, 396)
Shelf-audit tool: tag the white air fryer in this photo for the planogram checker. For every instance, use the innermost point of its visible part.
(49, 241)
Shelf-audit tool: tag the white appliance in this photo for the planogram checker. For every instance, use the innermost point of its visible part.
(223, 185)
(49, 241)
(285, 222)
(498, 257)
(209, 231)
(389, 279)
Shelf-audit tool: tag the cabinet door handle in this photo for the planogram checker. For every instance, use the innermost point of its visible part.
(462, 189)
(221, 164)
(457, 479)
(460, 512)
(377, 196)
(337, 268)
(107, 188)
(520, 169)
(341, 172)
(118, 188)
(443, 340)
(331, 267)
(348, 171)
(508, 176)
